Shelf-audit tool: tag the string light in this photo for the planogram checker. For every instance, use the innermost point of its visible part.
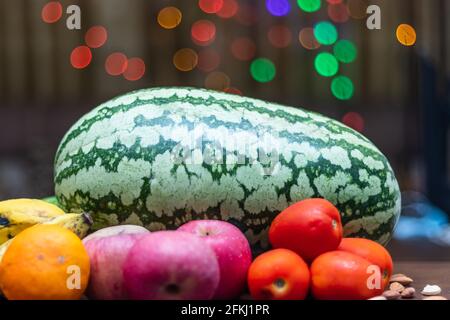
(81, 57)
(185, 59)
(229, 9)
(210, 6)
(325, 33)
(135, 69)
(309, 5)
(51, 12)
(342, 88)
(263, 70)
(278, 8)
(169, 17)
(203, 32)
(354, 120)
(307, 39)
(116, 64)
(96, 37)
(217, 81)
(345, 51)
(243, 48)
(326, 64)
(208, 60)
(280, 36)
(406, 35)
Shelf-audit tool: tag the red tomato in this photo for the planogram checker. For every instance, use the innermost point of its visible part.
(359, 269)
(278, 274)
(309, 228)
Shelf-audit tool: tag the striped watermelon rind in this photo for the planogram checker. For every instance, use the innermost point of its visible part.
(118, 163)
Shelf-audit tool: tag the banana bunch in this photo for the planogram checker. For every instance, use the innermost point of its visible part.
(78, 223)
(18, 214)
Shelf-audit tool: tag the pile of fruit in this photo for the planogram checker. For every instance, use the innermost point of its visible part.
(47, 254)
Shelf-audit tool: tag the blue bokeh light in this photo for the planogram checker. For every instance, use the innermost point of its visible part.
(278, 8)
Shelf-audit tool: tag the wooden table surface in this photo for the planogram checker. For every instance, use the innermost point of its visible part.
(423, 273)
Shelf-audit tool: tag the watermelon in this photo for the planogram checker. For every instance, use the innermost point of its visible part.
(160, 157)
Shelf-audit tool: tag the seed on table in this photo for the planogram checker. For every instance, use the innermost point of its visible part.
(378, 298)
(396, 286)
(408, 293)
(431, 290)
(402, 279)
(391, 295)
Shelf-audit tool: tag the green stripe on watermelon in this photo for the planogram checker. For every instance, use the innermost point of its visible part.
(117, 163)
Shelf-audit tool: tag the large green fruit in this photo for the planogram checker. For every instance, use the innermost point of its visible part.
(163, 156)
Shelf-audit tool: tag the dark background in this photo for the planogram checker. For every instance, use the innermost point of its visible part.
(401, 92)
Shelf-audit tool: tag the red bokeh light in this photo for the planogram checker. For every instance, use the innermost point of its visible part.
(208, 60)
(116, 64)
(354, 120)
(229, 9)
(52, 12)
(280, 36)
(243, 49)
(338, 12)
(334, 1)
(81, 57)
(210, 6)
(96, 37)
(135, 69)
(203, 32)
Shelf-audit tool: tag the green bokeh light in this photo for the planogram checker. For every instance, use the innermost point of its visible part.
(326, 64)
(325, 33)
(342, 88)
(262, 70)
(345, 51)
(309, 5)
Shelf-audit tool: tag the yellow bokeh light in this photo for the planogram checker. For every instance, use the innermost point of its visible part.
(217, 81)
(406, 34)
(169, 17)
(185, 59)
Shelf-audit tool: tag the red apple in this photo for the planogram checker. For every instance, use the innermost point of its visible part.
(171, 265)
(108, 249)
(232, 251)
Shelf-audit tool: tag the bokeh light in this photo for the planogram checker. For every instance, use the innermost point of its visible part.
(52, 12)
(326, 64)
(217, 80)
(185, 59)
(208, 60)
(406, 34)
(345, 51)
(116, 64)
(135, 69)
(229, 9)
(338, 12)
(357, 8)
(278, 8)
(203, 32)
(243, 48)
(96, 37)
(342, 88)
(325, 33)
(334, 1)
(210, 6)
(279, 36)
(262, 70)
(307, 39)
(81, 57)
(309, 5)
(233, 90)
(354, 120)
(169, 17)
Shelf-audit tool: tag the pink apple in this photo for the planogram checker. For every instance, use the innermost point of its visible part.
(107, 250)
(171, 265)
(232, 250)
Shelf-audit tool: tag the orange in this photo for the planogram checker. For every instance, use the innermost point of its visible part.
(45, 262)
(278, 274)
(309, 228)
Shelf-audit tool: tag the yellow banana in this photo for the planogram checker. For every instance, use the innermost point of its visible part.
(78, 223)
(18, 214)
